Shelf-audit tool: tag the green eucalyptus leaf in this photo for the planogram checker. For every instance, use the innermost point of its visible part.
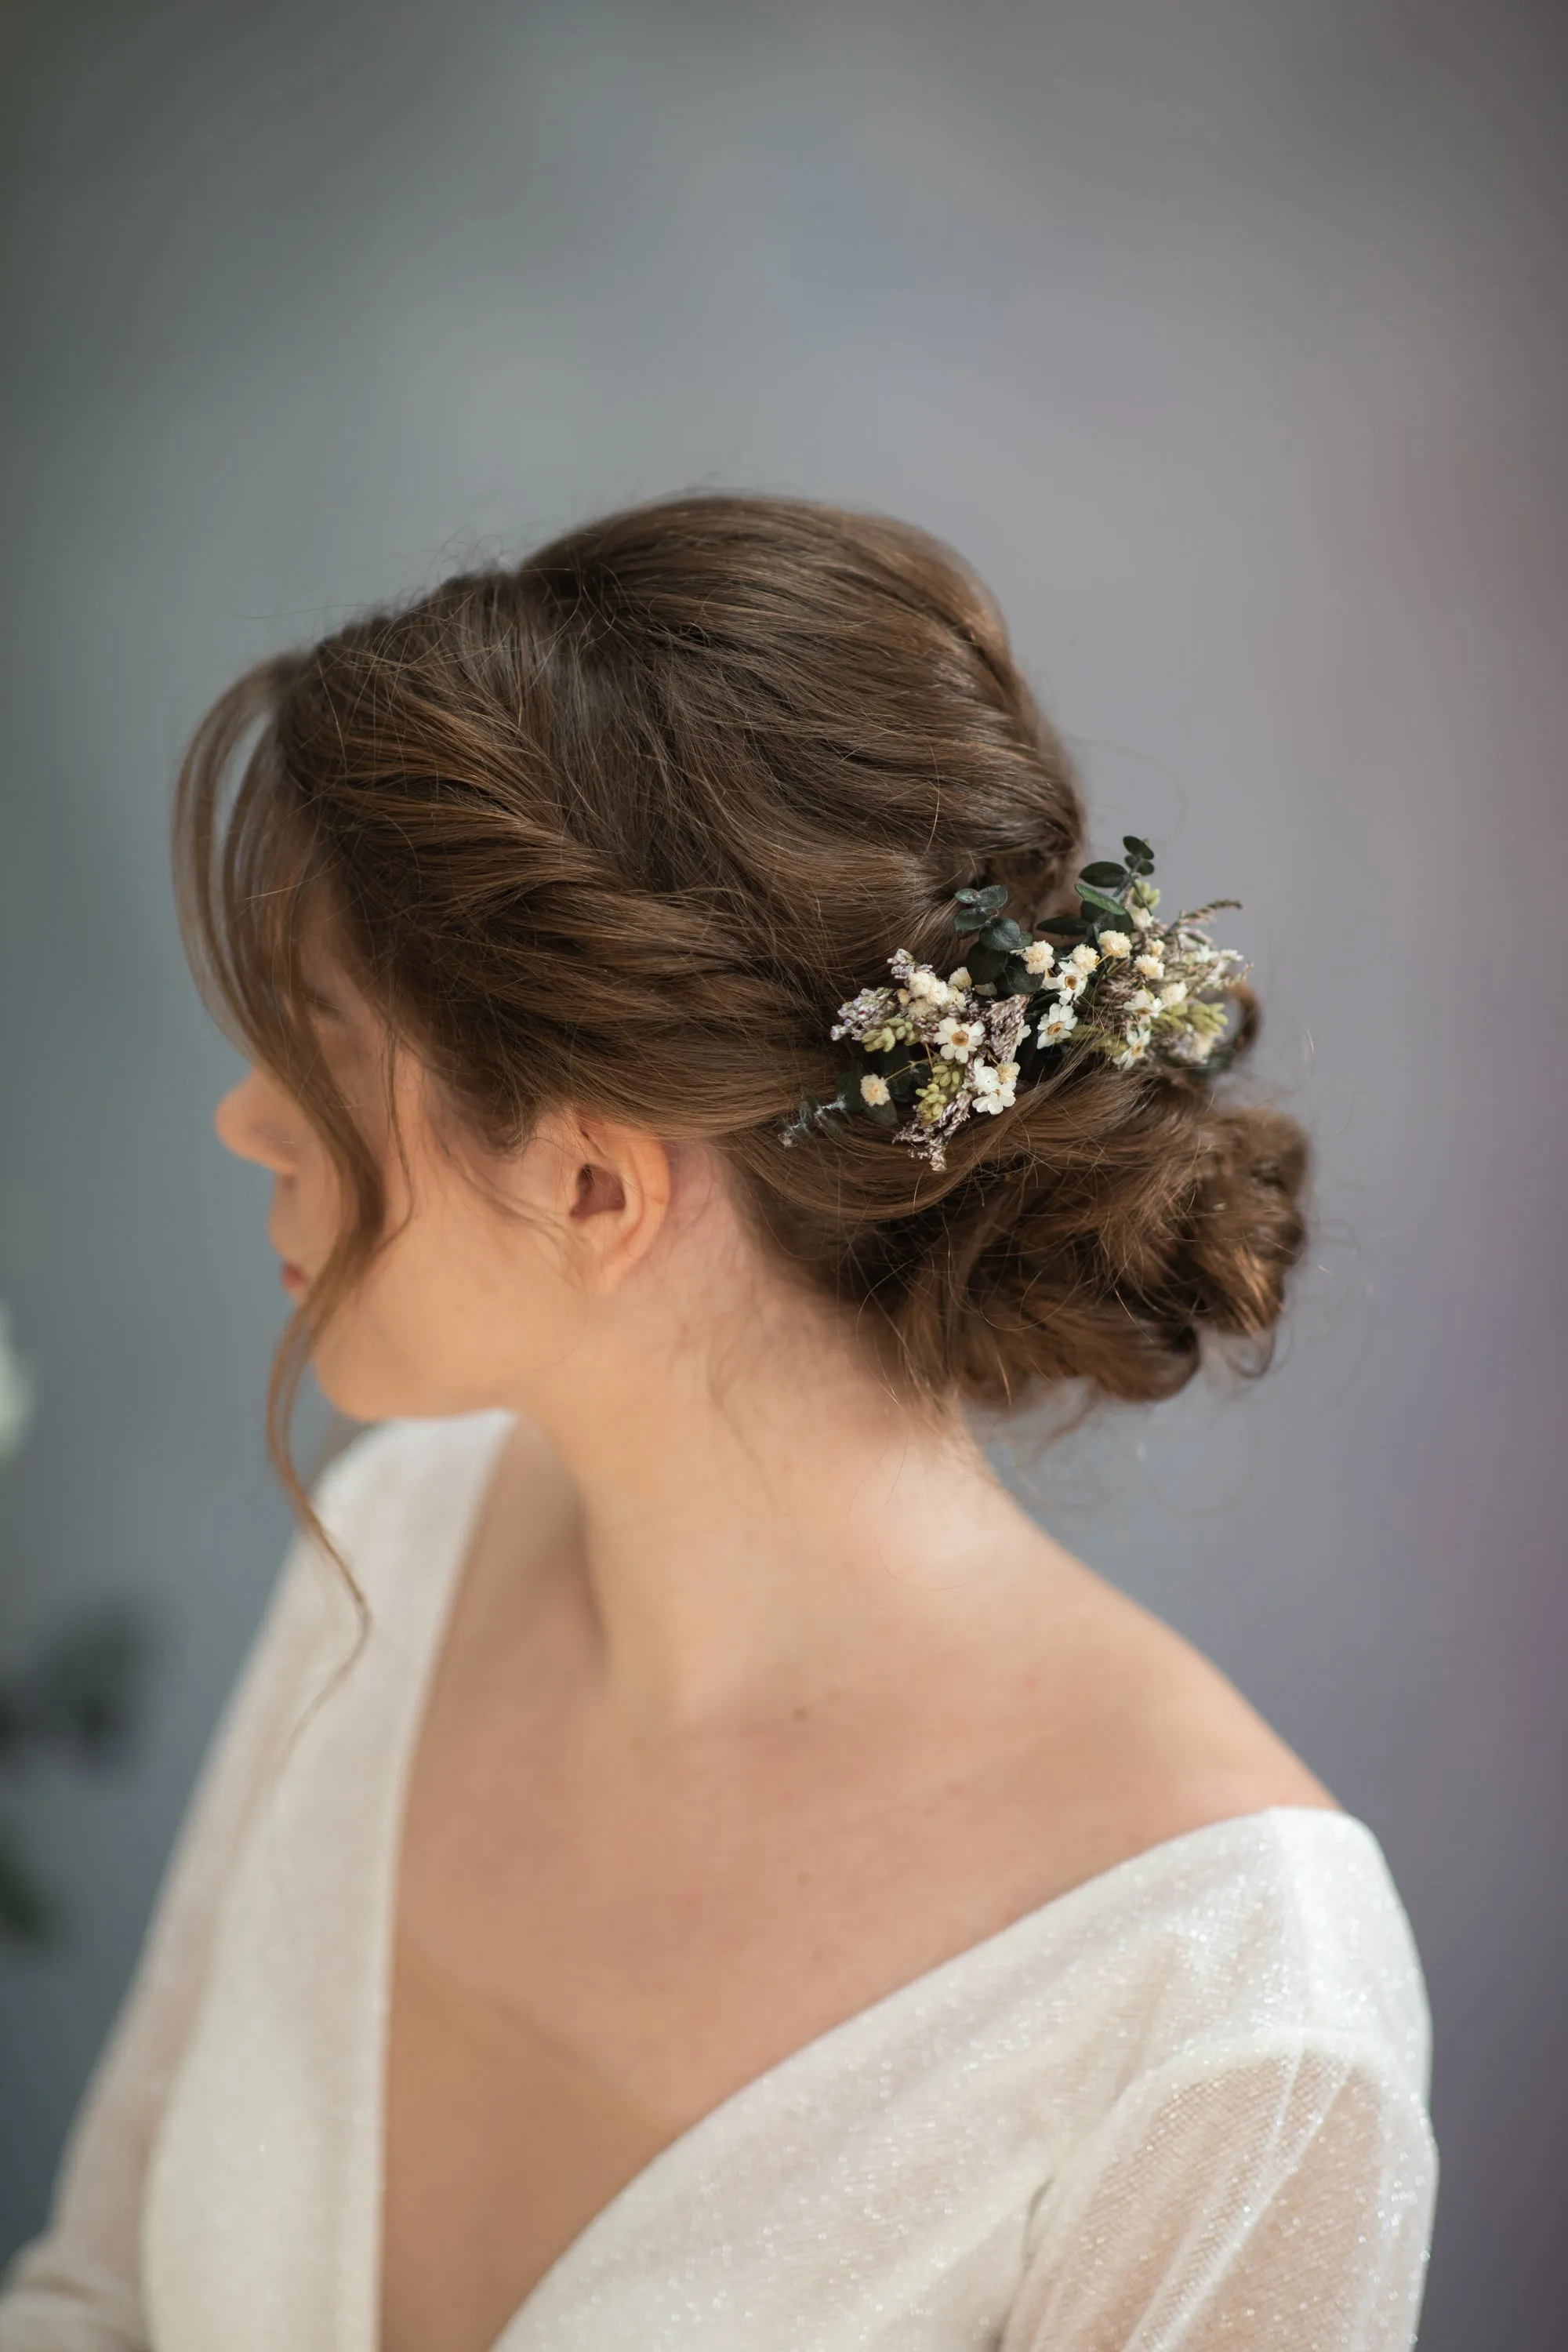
(1107, 875)
(974, 908)
(1140, 856)
(884, 1114)
(1007, 936)
(985, 963)
(1102, 904)
(1017, 979)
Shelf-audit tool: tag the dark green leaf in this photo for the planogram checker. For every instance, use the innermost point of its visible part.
(1005, 936)
(985, 963)
(1140, 856)
(1017, 979)
(1102, 905)
(972, 908)
(1108, 876)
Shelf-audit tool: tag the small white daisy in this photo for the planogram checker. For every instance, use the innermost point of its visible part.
(1140, 1001)
(1173, 992)
(957, 1039)
(1059, 1023)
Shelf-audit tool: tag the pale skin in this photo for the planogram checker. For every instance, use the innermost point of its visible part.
(761, 1698)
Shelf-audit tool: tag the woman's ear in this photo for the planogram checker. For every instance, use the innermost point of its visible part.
(612, 1189)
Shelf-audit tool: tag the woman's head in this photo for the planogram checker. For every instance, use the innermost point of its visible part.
(594, 845)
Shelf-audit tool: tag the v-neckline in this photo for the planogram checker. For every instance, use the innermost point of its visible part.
(1046, 1921)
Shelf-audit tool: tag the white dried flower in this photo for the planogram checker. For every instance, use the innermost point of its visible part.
(957, 1039)
(1059, 1023)
(925, 985)
(1173, 992)
(1039, 956)
(1115, 943)
(1143, 920)
(875, 1090)
(1152, 966)
(960, 980)
(1070, 980)
(993, 1084)
(1140, 1001)
(1085, 957)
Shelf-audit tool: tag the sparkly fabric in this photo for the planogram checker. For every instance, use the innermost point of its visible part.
(1179, 2109)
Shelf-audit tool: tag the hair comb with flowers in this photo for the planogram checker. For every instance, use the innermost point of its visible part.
(1113, 981)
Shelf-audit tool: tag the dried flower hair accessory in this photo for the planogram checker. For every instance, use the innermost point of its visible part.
(929, 1053)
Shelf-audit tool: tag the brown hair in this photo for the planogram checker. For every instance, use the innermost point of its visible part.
(622, 825)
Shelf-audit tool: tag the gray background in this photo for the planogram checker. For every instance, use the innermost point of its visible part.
(1228, 340)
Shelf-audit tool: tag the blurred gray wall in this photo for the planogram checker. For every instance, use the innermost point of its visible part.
(1227, 338)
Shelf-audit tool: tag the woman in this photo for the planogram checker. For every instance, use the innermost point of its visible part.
(707, 1870)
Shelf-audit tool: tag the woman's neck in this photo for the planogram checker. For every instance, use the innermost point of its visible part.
(760, 1529)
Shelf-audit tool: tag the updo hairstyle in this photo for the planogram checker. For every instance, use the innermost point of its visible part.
(620, 826)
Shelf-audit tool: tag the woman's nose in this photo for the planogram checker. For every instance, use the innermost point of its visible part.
(254, 1122)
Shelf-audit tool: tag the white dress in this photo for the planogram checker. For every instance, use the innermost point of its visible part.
(1180, 2107)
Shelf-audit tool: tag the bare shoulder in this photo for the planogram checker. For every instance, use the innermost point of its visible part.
(1140, 1738)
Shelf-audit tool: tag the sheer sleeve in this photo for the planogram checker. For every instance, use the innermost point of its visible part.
(77, 2288)
(1275, 2195)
